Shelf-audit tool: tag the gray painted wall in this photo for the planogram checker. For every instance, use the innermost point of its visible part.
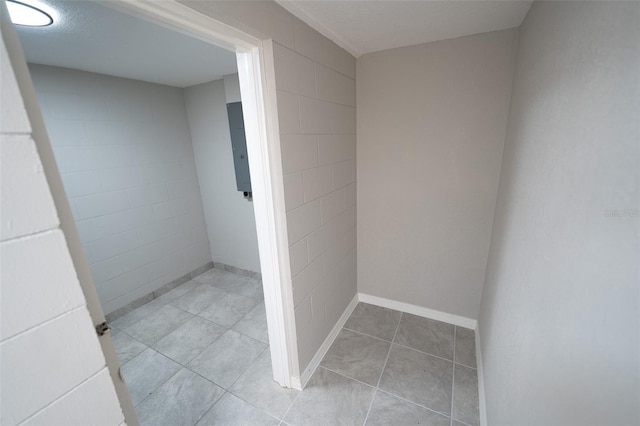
(230, 220)
(124, 152)
(559, 319)
(431, 125)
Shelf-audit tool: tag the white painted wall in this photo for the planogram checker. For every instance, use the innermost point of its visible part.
(53, 370)
(123, 148)
(229, 216)
(559, 320)
(431, 124)
(315, 82)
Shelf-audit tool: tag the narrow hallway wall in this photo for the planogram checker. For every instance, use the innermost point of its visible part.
(229, 216)
(559, 321)
(431, 127)
(124, 152)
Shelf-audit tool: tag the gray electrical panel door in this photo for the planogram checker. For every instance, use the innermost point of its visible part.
(239, 145)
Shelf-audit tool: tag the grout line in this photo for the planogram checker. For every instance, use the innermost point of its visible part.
(61, 397)
(386, 392)
(247, 402)
(366, 417)
(365, 334)
(254, 406)
(44, 323)
(33, 234)
(293, 50)
(170, 303)
(315, 98)
(194, 372)
(389, 352)
(347, 377)
(245, 370)
(424, 353)
(212, 405)
(453, 376)
(153, 392)
(284, 416)
(384, 367)
(413, 403)
(467, 366)
(180, 363)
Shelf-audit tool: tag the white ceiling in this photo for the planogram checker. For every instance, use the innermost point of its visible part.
(91, 37)
(371, 25)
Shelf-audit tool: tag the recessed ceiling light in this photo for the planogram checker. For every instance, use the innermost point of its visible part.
(27, 15)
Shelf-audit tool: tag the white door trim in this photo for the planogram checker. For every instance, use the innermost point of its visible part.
(257, 87)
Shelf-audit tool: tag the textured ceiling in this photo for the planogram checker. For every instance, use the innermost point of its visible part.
(368, 26)
(91, 37)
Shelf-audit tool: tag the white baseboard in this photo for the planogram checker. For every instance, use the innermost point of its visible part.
(481, 395)
(301, 382)
(295, 383)
(408, 308)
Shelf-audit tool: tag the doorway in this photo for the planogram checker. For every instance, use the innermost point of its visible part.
(266, 178)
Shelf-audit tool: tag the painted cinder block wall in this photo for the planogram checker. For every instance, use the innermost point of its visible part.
(123, 148)
(43, 314)
(559, 322)
(315, 82)
(230, 218)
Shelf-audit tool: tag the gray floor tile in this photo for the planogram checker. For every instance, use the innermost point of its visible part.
(196, 300)
(238, 361)
(389, 410)
(179, 291)
(466, 347)
(129, 307)
(126, 346)
(188, 340)
(418, 377)
(227, 358)
(232, 411)
(228, 309)
(374, 321)
(182, 400)
(257, 387)
(254, 324)
(137, 314)
(331, 399)
(426, 335)
(249, 287)
(146, 372)
(465, 395)
(158, 324)
(357, 356)
(220, 279)
(212, 275)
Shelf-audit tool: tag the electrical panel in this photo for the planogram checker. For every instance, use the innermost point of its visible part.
(239, 145)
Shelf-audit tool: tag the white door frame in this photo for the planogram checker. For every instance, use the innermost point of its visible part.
(258, 88)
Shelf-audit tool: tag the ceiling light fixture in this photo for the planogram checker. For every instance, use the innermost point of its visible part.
(28, 15)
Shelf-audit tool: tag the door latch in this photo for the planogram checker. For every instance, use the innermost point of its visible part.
(103, 328)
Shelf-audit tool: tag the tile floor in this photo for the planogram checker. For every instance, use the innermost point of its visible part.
(199, 355)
